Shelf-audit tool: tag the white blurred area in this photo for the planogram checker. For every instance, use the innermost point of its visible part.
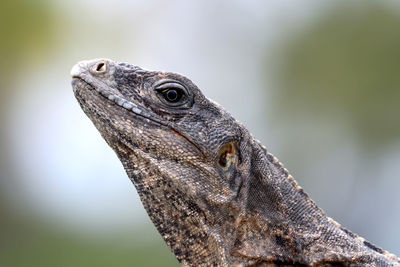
(66, 172)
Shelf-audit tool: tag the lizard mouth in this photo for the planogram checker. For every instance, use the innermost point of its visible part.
(78, 82)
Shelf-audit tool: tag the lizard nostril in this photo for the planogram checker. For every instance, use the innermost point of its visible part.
(101, 67)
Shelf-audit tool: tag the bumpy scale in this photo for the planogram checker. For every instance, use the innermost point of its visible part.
(215, 194)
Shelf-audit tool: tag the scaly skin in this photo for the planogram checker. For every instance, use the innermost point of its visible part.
(214, 193)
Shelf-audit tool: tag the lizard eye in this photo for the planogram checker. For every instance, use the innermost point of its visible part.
(172, 93)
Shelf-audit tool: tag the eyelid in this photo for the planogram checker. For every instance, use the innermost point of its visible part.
(162, 86)
(168, 85)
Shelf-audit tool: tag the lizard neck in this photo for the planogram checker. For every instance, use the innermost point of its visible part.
(179, 219)
(270, 220)
(283, 225)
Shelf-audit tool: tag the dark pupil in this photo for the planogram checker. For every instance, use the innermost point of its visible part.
(172, 95)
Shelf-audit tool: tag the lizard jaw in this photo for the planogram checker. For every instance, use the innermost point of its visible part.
(80, 72)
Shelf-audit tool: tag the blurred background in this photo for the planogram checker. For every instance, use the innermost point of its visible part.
(317, 82)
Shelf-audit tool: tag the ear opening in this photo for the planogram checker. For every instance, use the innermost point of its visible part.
(227, 155)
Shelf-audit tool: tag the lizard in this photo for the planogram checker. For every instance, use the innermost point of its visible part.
(214, 193)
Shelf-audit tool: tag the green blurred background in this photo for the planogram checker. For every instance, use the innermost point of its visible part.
(316, 81)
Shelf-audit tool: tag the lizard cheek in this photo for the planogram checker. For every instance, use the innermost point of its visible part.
(226, 155)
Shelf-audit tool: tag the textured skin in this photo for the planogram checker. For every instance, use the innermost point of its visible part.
(216, 196)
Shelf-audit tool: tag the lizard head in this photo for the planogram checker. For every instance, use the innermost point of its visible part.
(163, 119)
(177, 146)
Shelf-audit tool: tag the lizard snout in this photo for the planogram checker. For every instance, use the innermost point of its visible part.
(94, 66)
